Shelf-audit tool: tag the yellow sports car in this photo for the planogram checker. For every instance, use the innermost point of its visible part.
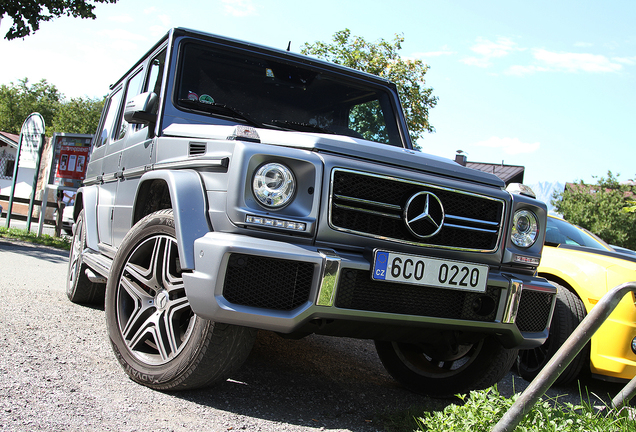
(584, 268)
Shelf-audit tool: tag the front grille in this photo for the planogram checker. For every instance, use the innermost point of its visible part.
(268, 283)
(356, 290)
(534, 310)
(373, 205)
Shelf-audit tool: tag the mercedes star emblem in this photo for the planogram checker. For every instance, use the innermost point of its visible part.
(424, 214)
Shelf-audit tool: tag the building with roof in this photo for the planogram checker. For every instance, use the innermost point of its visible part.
(507, 173)
(8, 149)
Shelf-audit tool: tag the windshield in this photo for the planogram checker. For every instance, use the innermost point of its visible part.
(561, 232)
(269, 92)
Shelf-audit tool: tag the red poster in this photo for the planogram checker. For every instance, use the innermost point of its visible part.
(72, 162)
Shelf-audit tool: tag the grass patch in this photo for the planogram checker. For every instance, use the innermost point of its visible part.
(482, 410)
(30, 237)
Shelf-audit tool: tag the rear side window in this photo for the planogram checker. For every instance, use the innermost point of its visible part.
(114, 103)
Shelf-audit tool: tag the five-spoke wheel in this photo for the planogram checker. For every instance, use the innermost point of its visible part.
(157, 338)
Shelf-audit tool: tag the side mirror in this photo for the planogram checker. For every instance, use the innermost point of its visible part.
(142, 109)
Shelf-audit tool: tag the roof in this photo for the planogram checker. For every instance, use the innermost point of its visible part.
(508, 173)
(9, 139)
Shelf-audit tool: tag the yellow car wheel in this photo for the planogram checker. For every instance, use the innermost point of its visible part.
(568, 314)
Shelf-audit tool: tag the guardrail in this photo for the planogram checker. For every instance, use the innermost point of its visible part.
(58, 205)
(572, 346)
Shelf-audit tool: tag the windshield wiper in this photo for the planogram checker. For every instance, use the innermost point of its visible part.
(217, 108)
(301, 127)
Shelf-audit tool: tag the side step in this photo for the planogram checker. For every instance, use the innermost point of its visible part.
(99, 266)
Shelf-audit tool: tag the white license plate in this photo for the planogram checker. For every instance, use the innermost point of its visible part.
(418, 270)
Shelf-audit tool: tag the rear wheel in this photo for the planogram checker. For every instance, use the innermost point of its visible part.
(156, 337)
(79, 289)
(441, 372)
(569, 311)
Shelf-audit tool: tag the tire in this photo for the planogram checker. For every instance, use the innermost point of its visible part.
(79, 289)
(155, 335)
(569, 311)
(444, 374)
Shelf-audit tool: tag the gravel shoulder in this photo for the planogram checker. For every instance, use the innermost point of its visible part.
(57, 371)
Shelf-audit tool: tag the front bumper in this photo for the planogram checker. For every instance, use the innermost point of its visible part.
(291, 288)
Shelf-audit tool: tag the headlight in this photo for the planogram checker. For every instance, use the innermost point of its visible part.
(524, 228)
(273, 185)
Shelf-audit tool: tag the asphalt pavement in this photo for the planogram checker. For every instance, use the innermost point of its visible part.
(58, 372)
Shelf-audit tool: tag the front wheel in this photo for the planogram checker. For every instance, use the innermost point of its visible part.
(155, 335)
(441, 372)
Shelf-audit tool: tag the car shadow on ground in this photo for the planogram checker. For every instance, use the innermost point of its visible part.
(339, 383)
(37, 251)
(335, 383)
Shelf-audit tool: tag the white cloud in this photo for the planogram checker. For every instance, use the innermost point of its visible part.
(509, 146)
(479, 62)
(157, 31)
(574, 62)
(165, 20)
(625, 60)
(525, 70)
(583, 44)
(549, 61)
(502, 47)
(239, 8)
(487, 50)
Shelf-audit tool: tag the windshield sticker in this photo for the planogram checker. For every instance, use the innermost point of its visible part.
(207, 99)
(193, 96)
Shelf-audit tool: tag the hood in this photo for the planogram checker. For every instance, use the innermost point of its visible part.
(346, 146)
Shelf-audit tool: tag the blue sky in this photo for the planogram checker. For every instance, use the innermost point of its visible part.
(544, 84)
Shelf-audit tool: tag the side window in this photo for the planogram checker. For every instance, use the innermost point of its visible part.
(133, 88)
(113, 110)
(155, 75)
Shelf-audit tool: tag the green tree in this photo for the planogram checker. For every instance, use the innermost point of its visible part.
(19, 100)
(78, 115)
(600, 208)
(383, 59)
(28, 14)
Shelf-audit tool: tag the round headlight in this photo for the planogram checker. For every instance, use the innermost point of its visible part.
(525, 228)
(273, 185)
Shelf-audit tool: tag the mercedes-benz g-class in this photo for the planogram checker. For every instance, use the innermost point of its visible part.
(234, 187)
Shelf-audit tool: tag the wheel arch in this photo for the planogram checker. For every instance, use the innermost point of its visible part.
(86, 199)
(183, 191)
(570, 286)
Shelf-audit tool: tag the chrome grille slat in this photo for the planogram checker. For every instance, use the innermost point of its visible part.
(362, 210)
(373, 205)
(471, 228)
(495, 224)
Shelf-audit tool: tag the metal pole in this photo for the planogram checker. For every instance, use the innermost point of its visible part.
(625, 395)
(35, 184)
(45, 199)
(572, 346)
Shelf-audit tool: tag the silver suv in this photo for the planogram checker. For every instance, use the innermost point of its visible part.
(234, 187)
